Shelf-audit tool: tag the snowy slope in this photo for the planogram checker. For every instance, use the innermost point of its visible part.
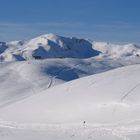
(34, 106)
(109, 97)
(25, 78)
(20, 78)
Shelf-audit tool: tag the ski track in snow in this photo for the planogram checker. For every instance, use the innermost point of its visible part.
(52, 81)
(129, 92)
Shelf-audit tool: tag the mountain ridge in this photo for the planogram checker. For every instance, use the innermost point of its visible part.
(54, 46)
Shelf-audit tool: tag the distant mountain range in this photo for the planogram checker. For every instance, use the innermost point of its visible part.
(53, 46)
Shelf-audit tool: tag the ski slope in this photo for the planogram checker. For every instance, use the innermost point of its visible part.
(108, 103)
(110, 97)
(21, 79)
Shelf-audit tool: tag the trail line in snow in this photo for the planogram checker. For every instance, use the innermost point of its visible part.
(129, 92)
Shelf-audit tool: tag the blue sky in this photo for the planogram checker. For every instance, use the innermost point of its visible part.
(100, 20)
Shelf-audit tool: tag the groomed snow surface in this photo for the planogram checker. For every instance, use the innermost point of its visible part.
(78, 90)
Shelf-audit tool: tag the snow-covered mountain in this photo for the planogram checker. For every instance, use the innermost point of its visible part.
(48, 46)
(117, 51)
(54, 46)
(70, 88)
(3, 47)
(20, 78)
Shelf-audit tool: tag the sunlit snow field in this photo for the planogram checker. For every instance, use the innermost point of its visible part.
(57, 88)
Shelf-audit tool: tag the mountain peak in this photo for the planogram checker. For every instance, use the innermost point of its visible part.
(117, 50)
